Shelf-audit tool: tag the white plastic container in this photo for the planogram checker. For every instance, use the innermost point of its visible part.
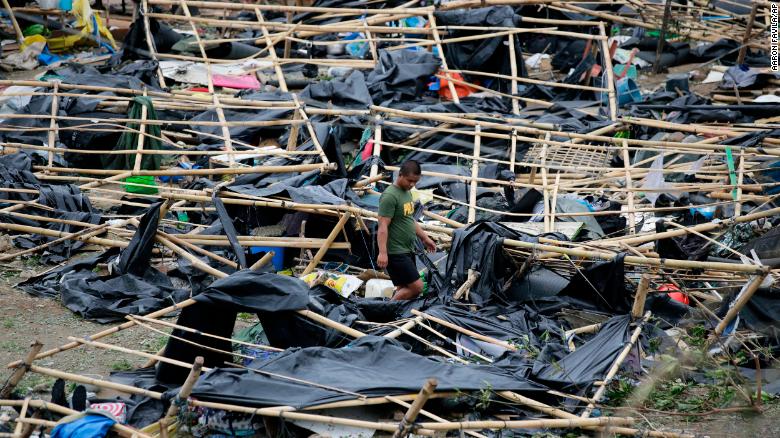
(378, 288)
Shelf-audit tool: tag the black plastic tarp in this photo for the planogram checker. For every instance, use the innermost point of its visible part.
(590, 361)
(486, 54)
(400, 75)
(370, 366)
(480, 247)
(133, 288)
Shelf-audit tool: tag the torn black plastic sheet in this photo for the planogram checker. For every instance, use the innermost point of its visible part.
(370, 366)
(589, 362)
(479, 246)
(133, 288)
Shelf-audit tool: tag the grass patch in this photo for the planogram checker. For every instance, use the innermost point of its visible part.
(122, 365)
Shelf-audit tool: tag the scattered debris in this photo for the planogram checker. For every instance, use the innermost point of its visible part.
(592, 230)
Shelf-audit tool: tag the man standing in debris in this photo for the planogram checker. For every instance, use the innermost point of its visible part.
(398, 232)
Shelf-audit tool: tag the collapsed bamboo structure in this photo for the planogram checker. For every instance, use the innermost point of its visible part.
(554, 159)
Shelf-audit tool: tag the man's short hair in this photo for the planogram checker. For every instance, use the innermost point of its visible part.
(410, 168)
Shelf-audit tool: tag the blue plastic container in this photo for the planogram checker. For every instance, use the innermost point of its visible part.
(277, 260)
(66, 5)
(627, 91)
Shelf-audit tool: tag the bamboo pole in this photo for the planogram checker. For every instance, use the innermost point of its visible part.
(545, 185)
(630, 187)
(21, 370)
(85, 233)
(408, 325)
(559, 413)
(406, 425)
(310, 128)
(433, 417)
(141, 137)
(14, 23)
(742, 298)
(466, 332)
(472, 216)
(150, 41)
(272, 51)
(616, 366)
(263, 261)
(191, 330)
(52, 138)
(198, 249)
(513, 70)
(22, 415)
(464, 288)
(122, 430)
(187, 172)
(328, 242)
(186, 388)
(607, 58)
(289, 8)
(440, 48)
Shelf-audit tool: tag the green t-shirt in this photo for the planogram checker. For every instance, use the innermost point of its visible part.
(397, 204)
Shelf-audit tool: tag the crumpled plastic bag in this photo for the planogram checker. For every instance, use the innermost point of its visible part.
(26, 58)
(93, 30)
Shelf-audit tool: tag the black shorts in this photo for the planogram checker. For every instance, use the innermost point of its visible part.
(402, 269)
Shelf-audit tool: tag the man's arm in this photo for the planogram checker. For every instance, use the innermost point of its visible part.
(381, 240)
(430, 245)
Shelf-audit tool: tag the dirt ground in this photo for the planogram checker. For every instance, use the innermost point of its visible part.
(24, 319)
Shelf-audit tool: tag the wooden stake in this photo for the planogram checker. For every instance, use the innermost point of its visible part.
(186, 388)
(746, 37)
(411, 415)
(638, 308)
(662, 36)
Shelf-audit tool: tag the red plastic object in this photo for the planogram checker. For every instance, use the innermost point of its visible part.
(676, 294)
(461, 89)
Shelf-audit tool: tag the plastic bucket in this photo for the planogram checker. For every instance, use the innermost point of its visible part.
(627, 91)
(277, 260)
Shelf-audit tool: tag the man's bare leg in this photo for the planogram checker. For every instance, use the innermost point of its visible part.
(408, 292)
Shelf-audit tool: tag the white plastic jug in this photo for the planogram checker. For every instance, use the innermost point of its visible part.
(378, 288)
